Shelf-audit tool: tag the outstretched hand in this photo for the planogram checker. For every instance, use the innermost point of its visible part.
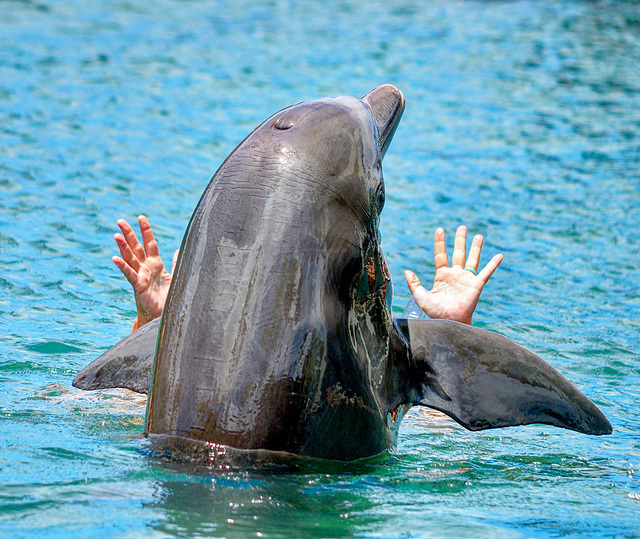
(456, 290)
(144, 269)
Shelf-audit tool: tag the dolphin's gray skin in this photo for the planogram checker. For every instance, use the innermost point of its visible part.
(128, 364)
(277, 332)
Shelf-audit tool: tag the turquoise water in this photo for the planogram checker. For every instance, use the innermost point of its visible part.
(522, 122)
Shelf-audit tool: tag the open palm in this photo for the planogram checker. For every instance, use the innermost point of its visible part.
(456, 290)
(144, 269)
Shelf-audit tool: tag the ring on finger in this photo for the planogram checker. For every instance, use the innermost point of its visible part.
(469, 268)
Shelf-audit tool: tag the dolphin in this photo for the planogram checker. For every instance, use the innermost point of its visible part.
(277, 331)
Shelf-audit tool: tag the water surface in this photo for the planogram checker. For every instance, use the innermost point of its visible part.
(522, 122)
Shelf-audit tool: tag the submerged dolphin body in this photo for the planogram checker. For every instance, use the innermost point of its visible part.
(277, 332)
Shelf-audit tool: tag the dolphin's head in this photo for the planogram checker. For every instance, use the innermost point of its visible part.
(339, 143)
(336, 145)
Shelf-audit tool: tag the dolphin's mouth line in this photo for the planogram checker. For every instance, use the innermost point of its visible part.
(361, 219)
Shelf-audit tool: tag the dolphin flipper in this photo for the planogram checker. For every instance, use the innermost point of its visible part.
(483, 380)
(127, 364)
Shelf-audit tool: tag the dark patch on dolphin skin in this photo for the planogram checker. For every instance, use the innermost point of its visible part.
(277, 332)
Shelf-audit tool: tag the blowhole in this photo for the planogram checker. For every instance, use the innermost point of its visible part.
(282, 124)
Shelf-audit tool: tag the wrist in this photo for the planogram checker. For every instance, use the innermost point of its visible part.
(143, 317)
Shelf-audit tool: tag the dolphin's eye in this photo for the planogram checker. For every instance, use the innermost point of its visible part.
(380, 196)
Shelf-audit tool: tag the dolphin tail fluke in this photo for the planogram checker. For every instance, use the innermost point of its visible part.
(127, 364)
(483, 380)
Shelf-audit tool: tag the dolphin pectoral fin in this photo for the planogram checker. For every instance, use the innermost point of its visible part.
(127, 364)
(483, 380)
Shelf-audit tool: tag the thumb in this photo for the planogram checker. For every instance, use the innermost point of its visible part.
(412, 281)
(419, 293)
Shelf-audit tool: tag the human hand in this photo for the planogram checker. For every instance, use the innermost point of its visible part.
(456, 290)
(144, 269)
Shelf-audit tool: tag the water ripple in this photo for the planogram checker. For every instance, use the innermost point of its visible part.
(522, 122)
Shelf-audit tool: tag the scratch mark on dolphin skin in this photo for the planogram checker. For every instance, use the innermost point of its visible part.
(337, 396)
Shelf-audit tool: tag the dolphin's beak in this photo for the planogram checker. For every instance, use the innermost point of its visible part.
(386, 104)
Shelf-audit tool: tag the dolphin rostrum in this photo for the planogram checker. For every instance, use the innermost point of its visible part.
(277, 332)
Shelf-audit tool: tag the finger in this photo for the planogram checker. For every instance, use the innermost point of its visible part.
(488, 270)
(124, 226)
(440, 250)
(418, 292)
(412, 281)
(126, 253)
(148, 239)
(460, 247)
(132, 239)
(175, 261)
(131, 275)
(474, 253)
